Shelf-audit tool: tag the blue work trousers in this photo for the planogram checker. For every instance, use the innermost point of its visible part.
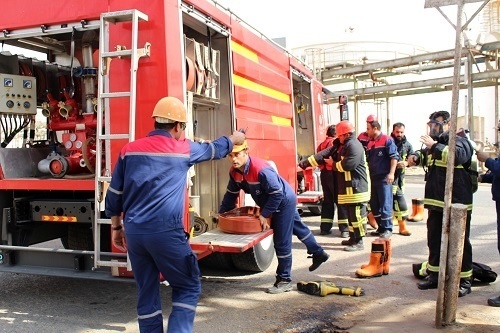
(167, 253)
(287, 222)
(381, 203)
(497, 203)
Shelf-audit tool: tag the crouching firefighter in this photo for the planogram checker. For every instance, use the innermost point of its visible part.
(435, 156)
(351, 170)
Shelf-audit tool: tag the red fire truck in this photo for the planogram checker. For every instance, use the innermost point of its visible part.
(98, 70)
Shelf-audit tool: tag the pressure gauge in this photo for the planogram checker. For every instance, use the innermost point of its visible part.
(68, 144)
(78, 144)
(72, 137)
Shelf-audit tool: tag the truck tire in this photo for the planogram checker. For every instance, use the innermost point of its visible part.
(257, 258)
(315, 210)
(217, 260)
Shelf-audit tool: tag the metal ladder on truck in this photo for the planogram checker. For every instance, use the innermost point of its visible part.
(103, 139)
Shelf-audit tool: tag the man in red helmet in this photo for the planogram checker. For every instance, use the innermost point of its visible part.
(382, 155)
(351, 172)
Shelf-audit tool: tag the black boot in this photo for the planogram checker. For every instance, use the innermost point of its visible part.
(318, 259)
(430, 282)
(465, 287)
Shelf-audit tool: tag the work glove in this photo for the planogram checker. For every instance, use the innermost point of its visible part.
(304, 164)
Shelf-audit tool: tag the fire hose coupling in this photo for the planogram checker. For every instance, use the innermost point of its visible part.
(64, 109)
(54, 164)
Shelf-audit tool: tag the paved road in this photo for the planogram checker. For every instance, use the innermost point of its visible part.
(237, 303)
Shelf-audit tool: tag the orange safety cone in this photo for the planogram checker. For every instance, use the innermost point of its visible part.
(418, 210)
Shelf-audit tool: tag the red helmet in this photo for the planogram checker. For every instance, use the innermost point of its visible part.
(344, 127)
(371, 118)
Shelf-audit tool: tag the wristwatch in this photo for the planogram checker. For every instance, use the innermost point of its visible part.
(118, 227)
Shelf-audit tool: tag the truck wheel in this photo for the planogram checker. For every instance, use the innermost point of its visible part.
(256, 259)
(315, 210)
(217, 260)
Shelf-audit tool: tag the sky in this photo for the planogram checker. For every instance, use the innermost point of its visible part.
(308, 22)
(305, 22)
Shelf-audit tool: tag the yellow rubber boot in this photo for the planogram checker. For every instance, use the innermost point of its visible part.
(402, 228)
(375, 266)
(419, 208)
(387, 256)
(371, 221)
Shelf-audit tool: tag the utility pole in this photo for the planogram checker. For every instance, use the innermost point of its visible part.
(446, 313)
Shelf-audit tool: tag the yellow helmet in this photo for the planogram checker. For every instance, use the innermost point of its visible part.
(238, 148)
(169, 110)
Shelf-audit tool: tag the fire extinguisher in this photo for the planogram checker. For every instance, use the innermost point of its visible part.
(344, 111)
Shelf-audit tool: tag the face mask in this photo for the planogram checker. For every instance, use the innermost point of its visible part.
(435, 128)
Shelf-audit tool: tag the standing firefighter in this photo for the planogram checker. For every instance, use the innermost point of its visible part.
(352, 181)
(382, 160)
(435, 157)
(405, 149)
(328, 183)
(149, 186)
(277, 201)
(353, 184)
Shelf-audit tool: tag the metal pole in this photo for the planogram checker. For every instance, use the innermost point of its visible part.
(454, 262)
(470, 96)
(450, 166)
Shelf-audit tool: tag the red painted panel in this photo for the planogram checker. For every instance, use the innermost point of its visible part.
(207, 7)
(251, 99)
(261, 127)
(300, 67)
(260, 74)
(269, 55)
(158, 75)
(48, 184)
(282, 153)
(23, 14)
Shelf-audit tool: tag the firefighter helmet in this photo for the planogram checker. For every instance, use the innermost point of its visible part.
(169, 110)
(344, 127)
(371, 118)
(238, 148)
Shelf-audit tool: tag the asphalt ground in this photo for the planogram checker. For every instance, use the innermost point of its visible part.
(237, 302)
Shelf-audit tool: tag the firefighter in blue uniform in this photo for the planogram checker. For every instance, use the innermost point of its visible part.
(148, 186)
(278, 201)
(435, 156)
(405, 149)
(382, 158)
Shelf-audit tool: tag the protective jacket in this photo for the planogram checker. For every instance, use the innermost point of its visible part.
(269, 191)
(352, 173)
(328, 142)
(404, 150)
(436, 159)
(162, 163)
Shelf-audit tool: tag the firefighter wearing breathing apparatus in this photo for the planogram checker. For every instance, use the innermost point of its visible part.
(148, 186)
(277, 200)
(434, 156)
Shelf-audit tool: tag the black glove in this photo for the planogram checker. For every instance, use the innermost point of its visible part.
(304, 164)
